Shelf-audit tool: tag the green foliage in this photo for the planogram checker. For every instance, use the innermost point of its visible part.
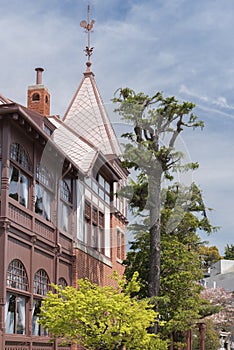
(152, 118)
(211, 337)
(157, 122)
(182, 215)
(229, 252)
(208, 256)
(171, 217)
(100, 317)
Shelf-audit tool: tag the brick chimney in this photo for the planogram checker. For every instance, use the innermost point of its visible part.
(39, 96)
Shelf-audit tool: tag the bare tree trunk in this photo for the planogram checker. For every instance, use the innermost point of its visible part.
(172, 342)
(189, 340)
(202, 328)
(155, 235)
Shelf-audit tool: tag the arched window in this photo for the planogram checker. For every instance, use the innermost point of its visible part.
(41, 287)
(15, 312)
(46, 99)
(62, 282)
(41, 282)
(16, 275)
(18, 180)
(36, 97)
(19, 155)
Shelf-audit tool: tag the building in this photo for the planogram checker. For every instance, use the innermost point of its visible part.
(221, 275)
(60, 219)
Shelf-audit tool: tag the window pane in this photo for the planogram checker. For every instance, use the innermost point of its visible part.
(43, 175)
(86, 230)
(47, 205)
(94, 237)
(18, 186)
(95, 216)
(43, 202)
(10, 313)
(18, 153)
(15, 314)
(99, 239)
(13, 187)
(64, 215)
(16, 275)
(101, 181)
(36, 328)
(65, 190)
(35, 317)
(62, 282)
(14, 151)
(101, 194)
(41, 282)
(95, 186)
(24, 190)
(20, 327)
(107, 187)
(107, 198)
(38, 202)
(87, 210)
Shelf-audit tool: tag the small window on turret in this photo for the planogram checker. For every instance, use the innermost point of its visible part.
(46, 99)
(36, 97)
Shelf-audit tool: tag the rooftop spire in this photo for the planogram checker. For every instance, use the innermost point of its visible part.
(88, 28)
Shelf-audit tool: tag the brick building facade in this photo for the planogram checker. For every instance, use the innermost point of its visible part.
(60, 219)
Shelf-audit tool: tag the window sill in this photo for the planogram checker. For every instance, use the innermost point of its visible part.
(120, 261)
(92, 252)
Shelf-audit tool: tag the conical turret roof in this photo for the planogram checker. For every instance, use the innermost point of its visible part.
(87, 116)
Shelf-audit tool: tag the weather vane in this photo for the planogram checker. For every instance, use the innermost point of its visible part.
(88, 28)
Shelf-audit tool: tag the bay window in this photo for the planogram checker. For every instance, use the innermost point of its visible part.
(43, 193)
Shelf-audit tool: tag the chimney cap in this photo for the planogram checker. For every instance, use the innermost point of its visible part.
(39, 71)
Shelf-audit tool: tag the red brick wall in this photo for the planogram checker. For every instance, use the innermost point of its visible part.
(42, 106)
(87, 266)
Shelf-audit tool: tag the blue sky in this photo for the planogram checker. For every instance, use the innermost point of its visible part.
(181, 47)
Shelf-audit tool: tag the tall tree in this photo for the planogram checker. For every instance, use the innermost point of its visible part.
(157, 123)
(179, 304)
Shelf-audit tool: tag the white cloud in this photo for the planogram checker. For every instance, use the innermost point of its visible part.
(180, 47)
(222, 102)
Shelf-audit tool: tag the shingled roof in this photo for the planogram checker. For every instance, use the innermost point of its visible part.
(87, 116)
